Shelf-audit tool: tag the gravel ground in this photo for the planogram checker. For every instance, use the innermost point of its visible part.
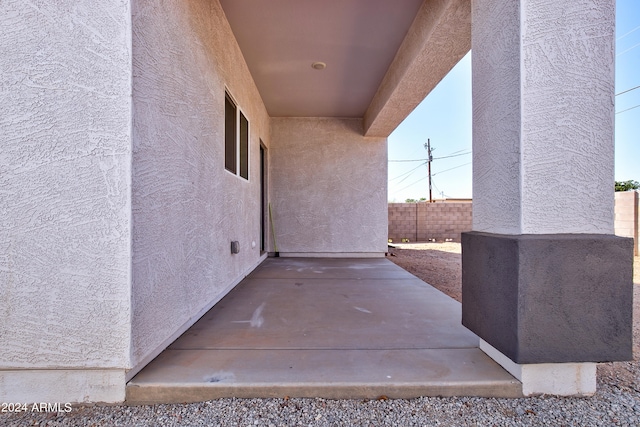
(438, 264)
(617, 401)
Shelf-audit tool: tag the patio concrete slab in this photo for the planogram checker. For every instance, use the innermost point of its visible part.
(333, 328)
(328, 268)
(193, 375)
(320, 313)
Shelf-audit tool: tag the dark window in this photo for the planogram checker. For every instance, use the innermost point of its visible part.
(236, 139)
(230, 134)
(244, 147)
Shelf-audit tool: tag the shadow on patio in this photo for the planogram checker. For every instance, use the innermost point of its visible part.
(332, 328)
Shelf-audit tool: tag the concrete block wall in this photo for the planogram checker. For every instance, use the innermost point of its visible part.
(444, 220)
(627, 216)
(402, 221)
(424, 221)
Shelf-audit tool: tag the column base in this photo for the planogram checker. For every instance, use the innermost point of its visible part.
(549, 298)
(560, 379)
(62, 385)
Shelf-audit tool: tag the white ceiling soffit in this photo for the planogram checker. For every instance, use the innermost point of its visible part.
(281, 39)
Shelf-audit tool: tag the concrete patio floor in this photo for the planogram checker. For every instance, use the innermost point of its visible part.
(332, 328)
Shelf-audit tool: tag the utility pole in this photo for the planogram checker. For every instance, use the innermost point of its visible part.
(429, 160)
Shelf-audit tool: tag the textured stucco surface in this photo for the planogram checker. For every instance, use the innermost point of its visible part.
(496, 119)
(543, 92)
(329, 186)
(186, 207)
(549, 298)
(63, 385)
(65, 154)
(442, 30)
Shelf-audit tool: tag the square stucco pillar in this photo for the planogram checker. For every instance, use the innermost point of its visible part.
(65, 207)
(546, 284)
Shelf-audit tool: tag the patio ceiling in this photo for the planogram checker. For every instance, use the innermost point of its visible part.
(368, 46)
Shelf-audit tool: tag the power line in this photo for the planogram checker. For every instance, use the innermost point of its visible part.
(416, 160)
(631, 48)
(618, 112)
(413, 183)
(628, 90)
(437, 189)
(450, 169)
(627, 33)
(442, 193)
(446, 170)
(405, 178)
(412, 170)
(452, 155)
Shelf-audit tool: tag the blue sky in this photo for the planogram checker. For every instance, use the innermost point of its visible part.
(445, 118)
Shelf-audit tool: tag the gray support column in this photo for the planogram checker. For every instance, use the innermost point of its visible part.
(545, 282)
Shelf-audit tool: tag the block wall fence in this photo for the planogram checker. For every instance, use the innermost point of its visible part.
(422, 221)
(627, 216)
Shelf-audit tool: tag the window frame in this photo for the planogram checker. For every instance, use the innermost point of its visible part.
(241, 159)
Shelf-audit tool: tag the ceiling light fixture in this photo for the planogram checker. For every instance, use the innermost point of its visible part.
(318, 65)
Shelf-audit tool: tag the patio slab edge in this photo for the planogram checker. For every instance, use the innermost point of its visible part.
(188, 393)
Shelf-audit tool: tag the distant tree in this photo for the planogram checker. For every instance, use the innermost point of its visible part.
(411, 201)
(627, 185)
(422, 199)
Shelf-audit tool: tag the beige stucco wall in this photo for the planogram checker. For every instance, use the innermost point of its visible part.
(65, 155)
(328, 187)
(186, 207)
